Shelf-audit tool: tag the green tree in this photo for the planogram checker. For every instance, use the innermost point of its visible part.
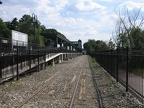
(50, 33)
(13, 24)
(137, 38)
(101, 45)
(43, 28)
(4, 31)
(111, 45)
(92, 46)
(129, 29)
(26, 25)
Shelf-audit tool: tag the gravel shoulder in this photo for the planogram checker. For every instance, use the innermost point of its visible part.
(113, 94)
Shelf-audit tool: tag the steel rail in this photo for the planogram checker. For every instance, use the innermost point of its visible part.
(74, 92)
(42, 88)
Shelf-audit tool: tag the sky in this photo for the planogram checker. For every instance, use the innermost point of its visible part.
(76, 19)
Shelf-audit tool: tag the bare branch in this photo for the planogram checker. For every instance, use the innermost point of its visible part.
(141, 22)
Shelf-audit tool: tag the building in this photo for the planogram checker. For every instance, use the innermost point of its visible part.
(77, 43)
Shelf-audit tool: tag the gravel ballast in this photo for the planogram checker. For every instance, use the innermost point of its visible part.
(61, 80)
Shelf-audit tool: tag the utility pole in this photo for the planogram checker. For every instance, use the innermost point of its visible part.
(34, 21)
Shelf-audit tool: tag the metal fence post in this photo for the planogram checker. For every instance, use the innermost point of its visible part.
(38, 60)
(117, 66)
(127, 69)
(45, 59)
(30, 60)
(13, 61)
(111, 62)
(17, 64)
(1, 68)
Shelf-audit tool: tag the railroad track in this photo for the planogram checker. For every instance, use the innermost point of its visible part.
(40, 89)
(71, 86)
(83, 91)
(75, 90)
(44, 86)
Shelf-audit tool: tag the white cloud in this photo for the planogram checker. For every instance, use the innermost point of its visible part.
(9, 12)
(85, 33)
(69, 22)
(130, 5)
(76, 19)
(88, 5)
(107, 0)
(49, 11)
(50, 6)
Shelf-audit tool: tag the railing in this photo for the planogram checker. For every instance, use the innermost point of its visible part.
(15, 60)
(8, 45)
(126, 66)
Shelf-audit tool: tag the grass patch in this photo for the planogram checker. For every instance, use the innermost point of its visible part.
(92, 60)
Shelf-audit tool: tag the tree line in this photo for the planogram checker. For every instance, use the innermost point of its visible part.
(93, 46)
(26, 25)
(129, 32)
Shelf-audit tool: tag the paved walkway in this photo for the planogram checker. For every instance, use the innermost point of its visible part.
(136, 82)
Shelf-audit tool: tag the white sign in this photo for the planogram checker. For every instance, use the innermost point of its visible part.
(19, 38)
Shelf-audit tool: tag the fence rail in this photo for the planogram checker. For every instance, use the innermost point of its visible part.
(126, 66)
(15, 60)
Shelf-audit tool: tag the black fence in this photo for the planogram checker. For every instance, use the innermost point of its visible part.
(126, 65)
(17, 57)
(7, 45)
